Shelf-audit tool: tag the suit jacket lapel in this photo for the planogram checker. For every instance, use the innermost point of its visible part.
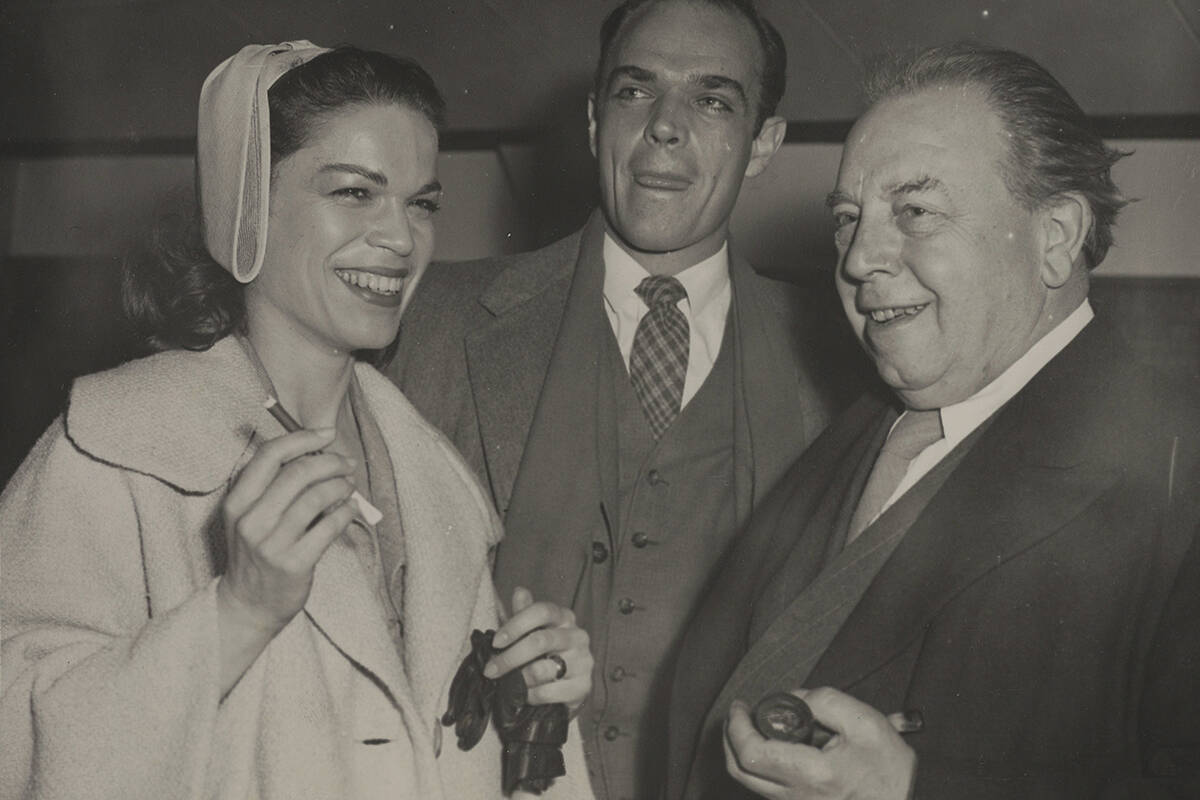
(507, 360)
(767, 390)
(556, 495)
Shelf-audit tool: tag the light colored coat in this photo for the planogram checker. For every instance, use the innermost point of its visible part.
(112, 545)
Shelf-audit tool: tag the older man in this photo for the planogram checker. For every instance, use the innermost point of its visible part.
(1005, 545)
(631, 392)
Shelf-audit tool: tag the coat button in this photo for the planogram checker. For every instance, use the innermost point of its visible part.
(625, 606)
(640, 539)
(617, 674)
(599, 553)
(611, 733)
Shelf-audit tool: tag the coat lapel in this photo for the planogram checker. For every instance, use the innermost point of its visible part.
(445, 556)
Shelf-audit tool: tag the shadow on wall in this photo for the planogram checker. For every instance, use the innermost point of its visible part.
(553, 175)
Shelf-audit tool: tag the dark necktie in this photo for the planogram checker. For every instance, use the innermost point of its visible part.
(913, 432)
(658, 360)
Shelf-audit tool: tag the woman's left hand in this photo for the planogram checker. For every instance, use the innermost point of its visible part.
(543, 639)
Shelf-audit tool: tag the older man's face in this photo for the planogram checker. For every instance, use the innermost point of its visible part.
(938, 264)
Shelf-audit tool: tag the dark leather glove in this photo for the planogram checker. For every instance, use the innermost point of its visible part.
(532, 736)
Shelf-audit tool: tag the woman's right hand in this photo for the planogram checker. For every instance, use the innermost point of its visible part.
(284, 510)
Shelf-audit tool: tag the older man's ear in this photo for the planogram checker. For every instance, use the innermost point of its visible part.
(1066, 220)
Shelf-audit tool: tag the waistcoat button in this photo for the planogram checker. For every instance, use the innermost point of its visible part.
(599, 552)
(640, 539)
(626, 605)
(611, 733)
(617, 674)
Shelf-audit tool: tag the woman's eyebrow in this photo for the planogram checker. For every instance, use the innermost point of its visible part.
(372, 175)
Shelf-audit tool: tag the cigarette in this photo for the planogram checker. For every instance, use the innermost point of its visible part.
(369, 512)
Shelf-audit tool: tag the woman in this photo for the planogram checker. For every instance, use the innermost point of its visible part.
(199, 603)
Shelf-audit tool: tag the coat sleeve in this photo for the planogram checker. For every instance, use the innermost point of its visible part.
(98, 698)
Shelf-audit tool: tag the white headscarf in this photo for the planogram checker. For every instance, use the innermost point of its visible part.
(233, 154)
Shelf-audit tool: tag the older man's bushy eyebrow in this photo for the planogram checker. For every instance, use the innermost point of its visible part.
(925, 183)
(837, 197)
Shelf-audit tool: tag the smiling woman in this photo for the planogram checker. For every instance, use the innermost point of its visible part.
(200, 602)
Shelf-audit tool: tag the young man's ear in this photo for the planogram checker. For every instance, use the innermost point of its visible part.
(592, 123)
(1067, 219)
(766, 144)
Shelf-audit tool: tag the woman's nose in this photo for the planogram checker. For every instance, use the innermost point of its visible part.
(393, 231)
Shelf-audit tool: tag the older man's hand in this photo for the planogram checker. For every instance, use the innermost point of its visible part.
(867, 759)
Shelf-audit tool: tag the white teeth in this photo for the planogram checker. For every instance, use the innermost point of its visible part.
(379, 284)
(888, 314)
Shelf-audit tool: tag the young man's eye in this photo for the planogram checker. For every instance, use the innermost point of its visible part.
(352, 193)
(715, 104)
(630, 93)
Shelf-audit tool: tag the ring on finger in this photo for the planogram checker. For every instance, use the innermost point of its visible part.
(562, 665)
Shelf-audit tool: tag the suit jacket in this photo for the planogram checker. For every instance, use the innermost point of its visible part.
(505, 355)
(476, 344)
(1040, 610)
(112, 547)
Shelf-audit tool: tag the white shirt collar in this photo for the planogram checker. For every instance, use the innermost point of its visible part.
(703, 281)
(959, 419)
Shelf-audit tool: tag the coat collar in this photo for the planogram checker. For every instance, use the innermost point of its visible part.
(142, 415)
(208, 405)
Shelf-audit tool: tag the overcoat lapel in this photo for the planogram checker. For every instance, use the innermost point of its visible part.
(1031, 471)
(1013, 489)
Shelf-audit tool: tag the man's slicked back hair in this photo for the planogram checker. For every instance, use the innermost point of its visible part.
(1053, 148)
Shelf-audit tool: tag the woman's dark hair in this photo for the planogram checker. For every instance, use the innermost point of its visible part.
(175, 295)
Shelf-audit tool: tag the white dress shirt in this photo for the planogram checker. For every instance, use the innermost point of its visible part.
(960, 419)
(706, 306)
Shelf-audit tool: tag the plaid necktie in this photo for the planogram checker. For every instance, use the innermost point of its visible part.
(658, 360)
(914, 431)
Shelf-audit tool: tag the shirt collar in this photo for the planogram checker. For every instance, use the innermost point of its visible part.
(959, 419)
(702, 281)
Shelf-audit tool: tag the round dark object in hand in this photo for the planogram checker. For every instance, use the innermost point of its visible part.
(785, 717)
